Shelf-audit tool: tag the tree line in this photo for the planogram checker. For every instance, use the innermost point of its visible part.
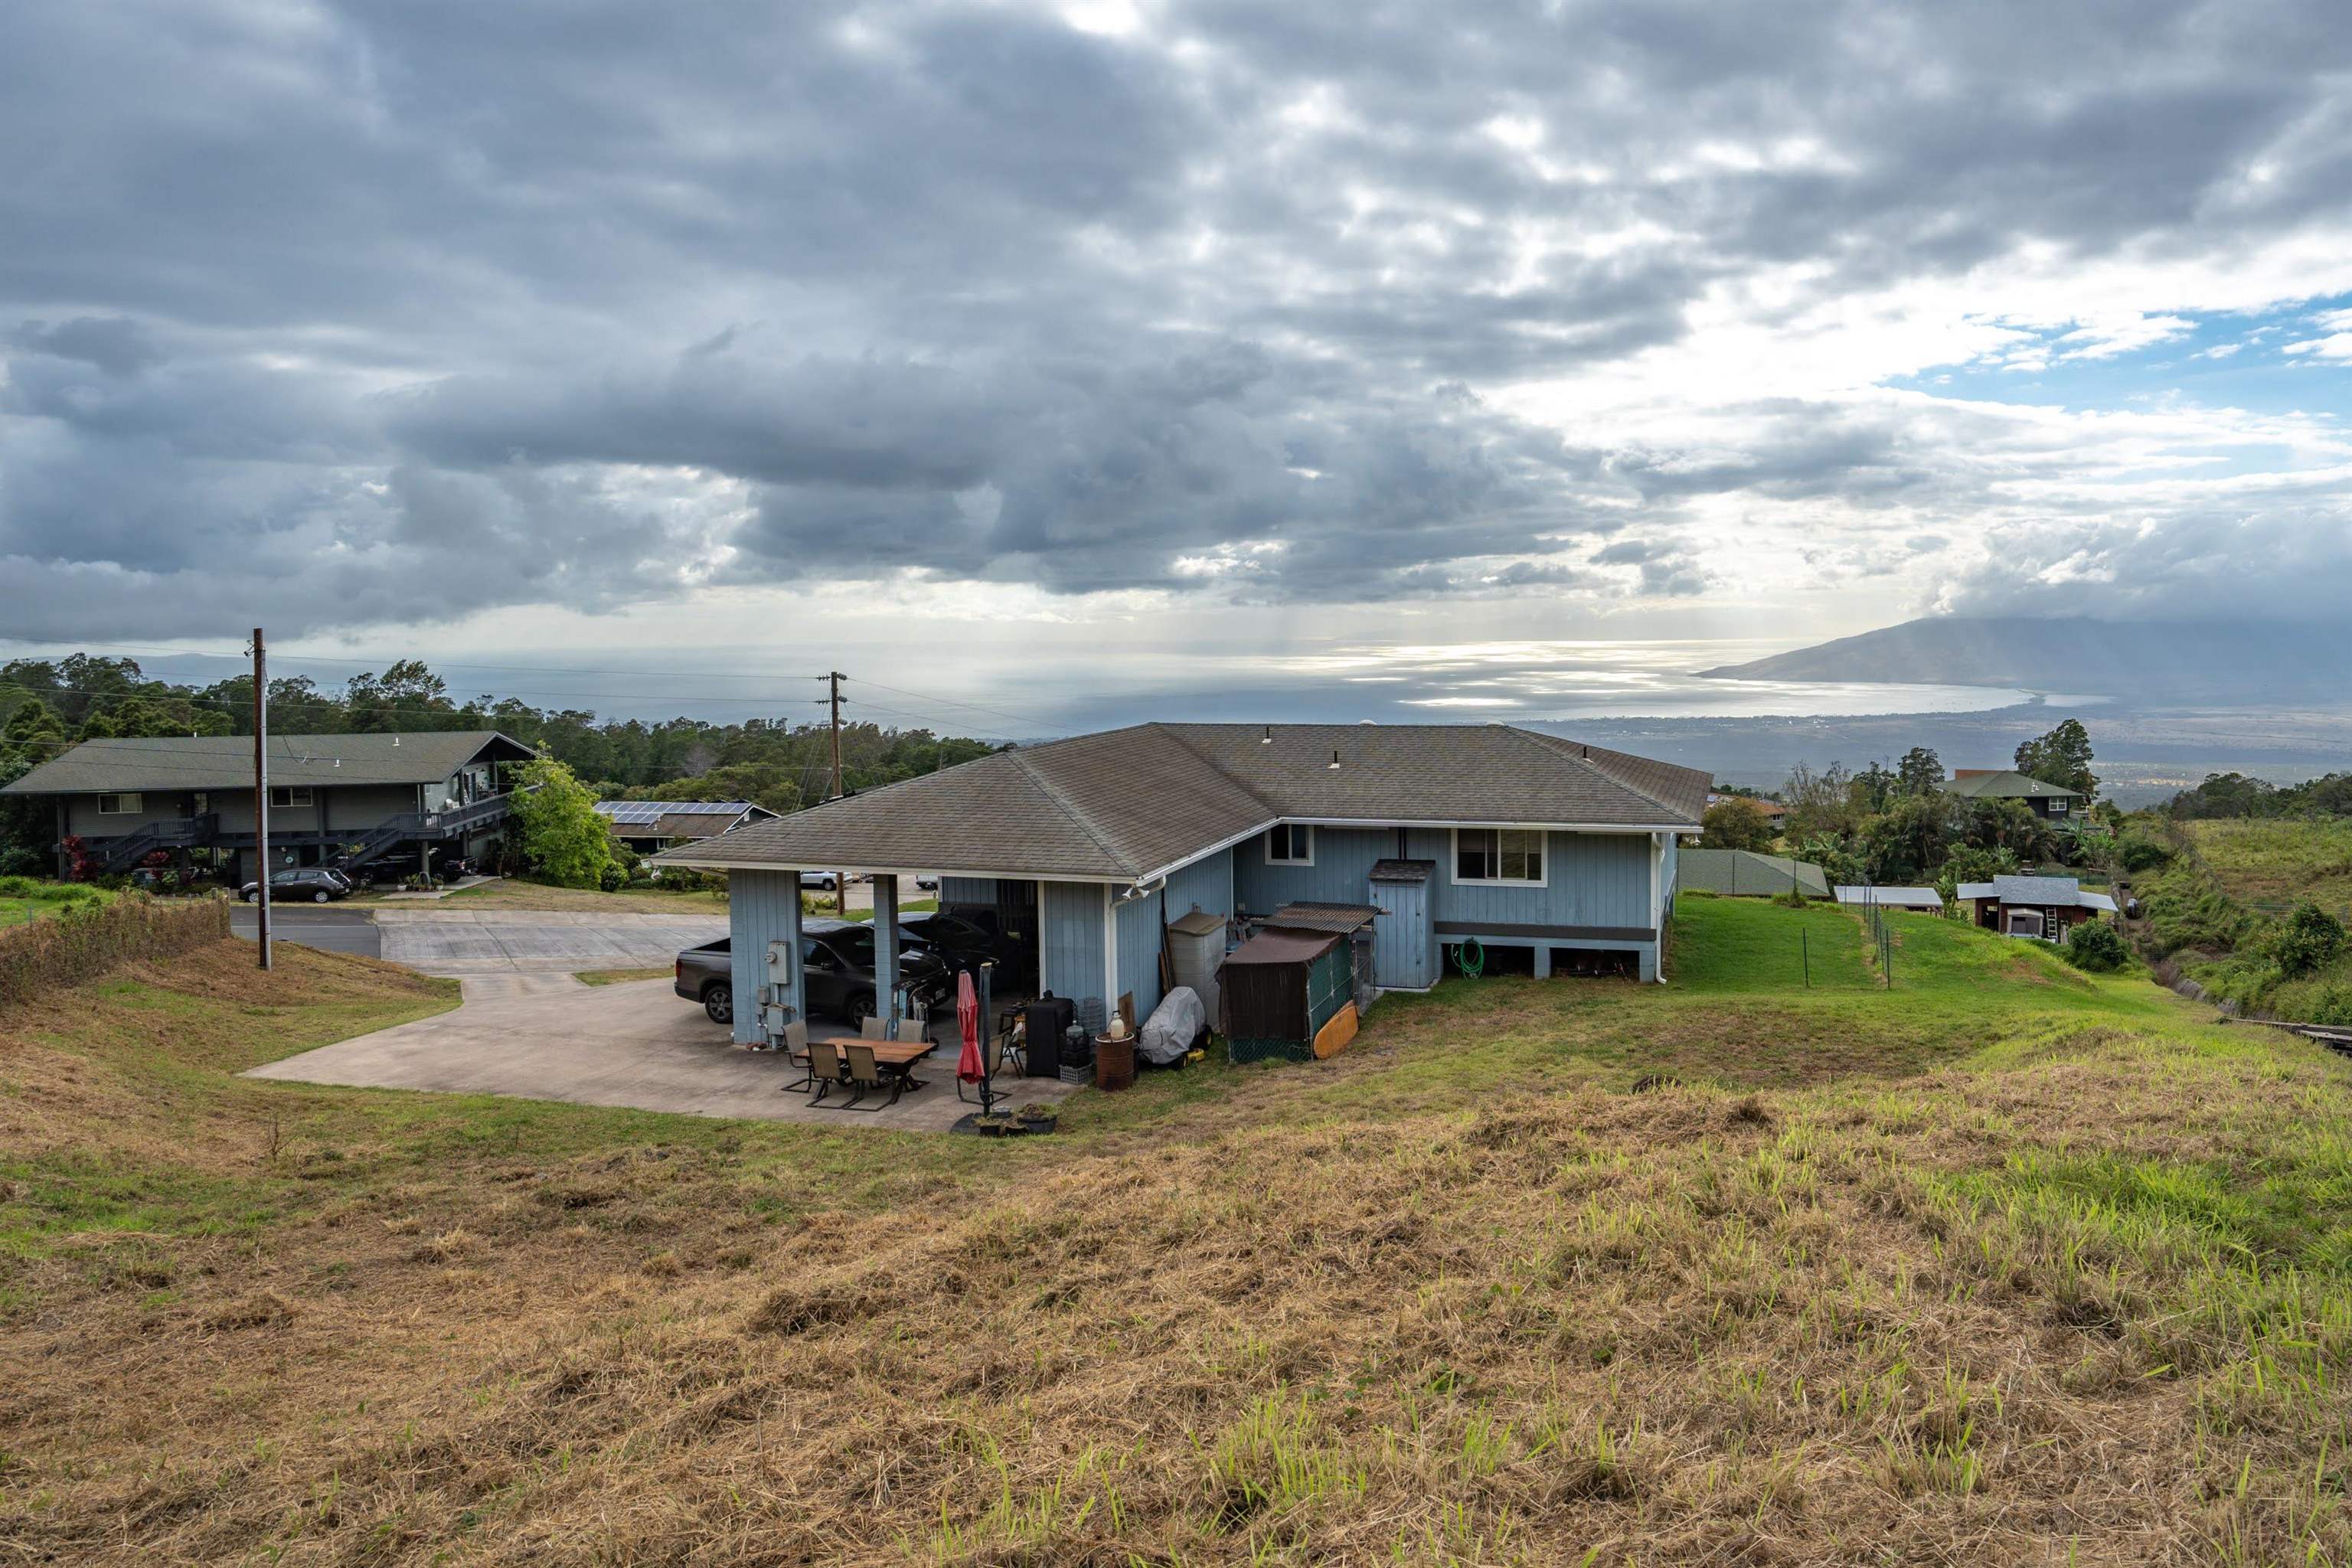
(46, 706)
(1902, 824)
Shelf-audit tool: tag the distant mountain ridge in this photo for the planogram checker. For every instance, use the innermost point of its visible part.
(2157, 662)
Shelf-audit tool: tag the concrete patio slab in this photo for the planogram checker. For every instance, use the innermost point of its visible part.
(545, 1036)
(486, 942)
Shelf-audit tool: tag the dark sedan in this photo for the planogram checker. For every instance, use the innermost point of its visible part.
(319, 884)
(836, 972)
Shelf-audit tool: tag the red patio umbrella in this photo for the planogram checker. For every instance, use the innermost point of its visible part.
(970, 1066)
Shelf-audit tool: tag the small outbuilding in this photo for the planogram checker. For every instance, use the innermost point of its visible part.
(1281, 990)
(2044, 908)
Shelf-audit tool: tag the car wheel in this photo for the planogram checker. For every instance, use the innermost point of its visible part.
(253, 896)
(320, 897)
(859, 1007)
(719, 1000)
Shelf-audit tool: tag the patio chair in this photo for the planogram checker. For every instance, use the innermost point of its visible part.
(825, 1069)
(865, 1075)
(796, 1051)
(874, 1027)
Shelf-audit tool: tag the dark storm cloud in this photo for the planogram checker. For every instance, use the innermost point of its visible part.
(378, 312)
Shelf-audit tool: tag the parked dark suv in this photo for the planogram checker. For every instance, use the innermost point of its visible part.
(837, 973)
(318, 884)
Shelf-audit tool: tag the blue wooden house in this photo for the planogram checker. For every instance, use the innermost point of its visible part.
(1086, 847)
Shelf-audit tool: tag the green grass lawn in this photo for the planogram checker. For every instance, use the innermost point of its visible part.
(25, 898)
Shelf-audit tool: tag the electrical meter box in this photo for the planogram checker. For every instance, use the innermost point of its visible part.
(774, 1019)
(779, 968)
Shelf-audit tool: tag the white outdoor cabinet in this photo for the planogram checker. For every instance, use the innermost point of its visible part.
(1196, 945)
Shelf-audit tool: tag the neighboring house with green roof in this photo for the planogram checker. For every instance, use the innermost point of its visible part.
(2055, 804)
(336, 800)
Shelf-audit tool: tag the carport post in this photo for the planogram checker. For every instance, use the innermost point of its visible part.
(886, 947)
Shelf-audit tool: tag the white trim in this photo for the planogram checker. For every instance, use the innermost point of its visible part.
(1453, 860)
(1268, 844)
(1110, 953)
(1658, 901)
(1029, 874)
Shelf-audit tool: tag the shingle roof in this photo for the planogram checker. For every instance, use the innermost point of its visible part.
(226, 761)
(2044, 892)
(1128, 803)
(2001, 785)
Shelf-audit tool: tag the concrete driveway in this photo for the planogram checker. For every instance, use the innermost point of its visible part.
(548, 1037)
(490, 941)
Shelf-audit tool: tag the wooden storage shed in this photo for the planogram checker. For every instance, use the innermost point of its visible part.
(1280, 988)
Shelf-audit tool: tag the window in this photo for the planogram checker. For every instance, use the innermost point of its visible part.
(1499, 855)
(289, 795)
(1289, 844)
(120, 804)
(2058, 806)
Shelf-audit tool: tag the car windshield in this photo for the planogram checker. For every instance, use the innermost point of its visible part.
(857, 946)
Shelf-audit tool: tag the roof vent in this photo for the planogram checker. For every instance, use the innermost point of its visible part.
(396, 740)
(1368, 721)
(1335, 758)
(1267, 738)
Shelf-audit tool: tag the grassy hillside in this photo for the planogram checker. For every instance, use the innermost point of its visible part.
(2265, 861)
(2008, 1264)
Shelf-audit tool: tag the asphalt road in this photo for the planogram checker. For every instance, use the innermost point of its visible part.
(337, 931)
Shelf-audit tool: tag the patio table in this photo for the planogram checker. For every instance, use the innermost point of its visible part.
(892, 1055)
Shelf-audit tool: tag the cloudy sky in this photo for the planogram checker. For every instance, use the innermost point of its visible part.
(1107, 329)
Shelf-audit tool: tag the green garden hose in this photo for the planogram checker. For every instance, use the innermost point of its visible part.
(1469, 957)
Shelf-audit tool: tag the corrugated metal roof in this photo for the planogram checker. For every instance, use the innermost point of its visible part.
(226, 761)
(1277, 945)
(1307, 915)
(1128, 803)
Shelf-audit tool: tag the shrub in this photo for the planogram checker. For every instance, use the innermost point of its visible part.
(85, 939)
(2135, 854)
(2307, 940)
(2097, 946)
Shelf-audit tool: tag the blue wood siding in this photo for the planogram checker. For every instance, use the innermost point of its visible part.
(1343, 866)
(762, 907)
(1070, 938)
(1139, 954)
(968, 891)
(1591, 879)
(1207, 884)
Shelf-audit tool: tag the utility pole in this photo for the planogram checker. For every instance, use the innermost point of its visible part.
(840, 878)
(833, 679)
(261, 795)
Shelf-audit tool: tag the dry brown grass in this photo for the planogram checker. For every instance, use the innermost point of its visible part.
(1830, 1323)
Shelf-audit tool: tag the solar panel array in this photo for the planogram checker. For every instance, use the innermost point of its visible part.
(645, 812)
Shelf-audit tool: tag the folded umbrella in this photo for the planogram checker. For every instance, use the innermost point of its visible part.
(969, 1068)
